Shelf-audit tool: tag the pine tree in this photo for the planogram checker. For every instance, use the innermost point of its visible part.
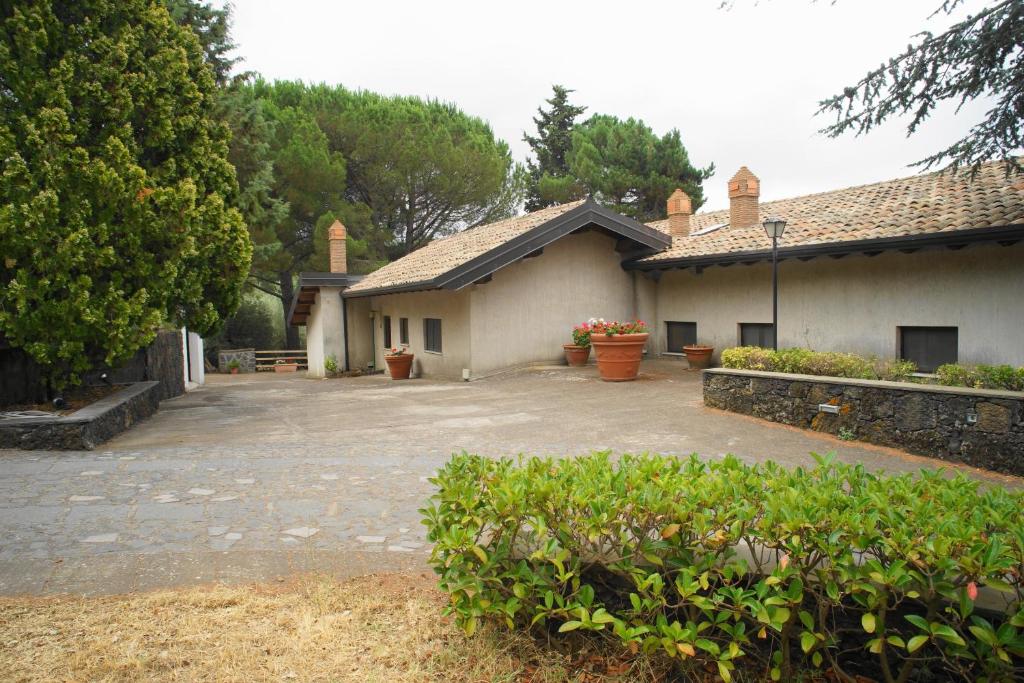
(551, 145)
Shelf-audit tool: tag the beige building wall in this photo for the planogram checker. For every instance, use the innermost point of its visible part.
(452, 308)
(857, 303)
(527, 311)
(360, 329)
(324, 332)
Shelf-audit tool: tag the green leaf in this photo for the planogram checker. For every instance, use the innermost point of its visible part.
(947, 634)
(868, 622)
(807, 641)
(570, 626)
(806, 619)
(915, 643)
(479, 552)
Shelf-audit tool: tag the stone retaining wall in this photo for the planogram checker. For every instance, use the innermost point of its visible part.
(978, 427)
(246, 359)
(86, 428)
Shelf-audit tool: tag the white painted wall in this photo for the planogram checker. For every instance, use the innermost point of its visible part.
(856, 303)
(197, 367)
(527, 311)
(453, 309)
(324, 331)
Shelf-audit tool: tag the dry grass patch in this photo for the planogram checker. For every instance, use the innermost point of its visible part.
(376, 628)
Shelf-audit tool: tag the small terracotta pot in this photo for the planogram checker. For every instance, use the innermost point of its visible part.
(399, 366)
(286, 367)
(618, 355)
(698, 356)
(576, 356)
(234, 371)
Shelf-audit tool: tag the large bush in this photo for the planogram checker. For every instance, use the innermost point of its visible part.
(117, 202)
(729, 565)
(982, 376)
(823, 363)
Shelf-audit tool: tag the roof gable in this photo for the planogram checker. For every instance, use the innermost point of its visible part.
(462, 259)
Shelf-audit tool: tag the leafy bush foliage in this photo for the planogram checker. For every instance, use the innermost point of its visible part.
(823, 363)
(982, 376)
(724, 564)
(117, 208)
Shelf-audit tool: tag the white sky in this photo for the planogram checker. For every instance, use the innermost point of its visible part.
(742, 85)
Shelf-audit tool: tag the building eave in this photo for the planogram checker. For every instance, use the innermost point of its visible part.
(951, 239)
(306, 291)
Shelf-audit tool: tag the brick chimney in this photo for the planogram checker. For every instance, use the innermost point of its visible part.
(679, 210)
(744, 189)
(336, 243)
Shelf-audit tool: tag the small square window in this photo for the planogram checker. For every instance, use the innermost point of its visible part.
(387, 331)
(928, 347)
(432, 334)
(757, 334)
(403, 330)
(678, 335)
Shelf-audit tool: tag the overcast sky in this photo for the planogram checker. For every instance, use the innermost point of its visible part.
(742, 85)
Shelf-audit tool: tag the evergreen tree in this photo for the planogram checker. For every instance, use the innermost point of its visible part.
(551, 145)
(117, 210)
(625, 166)
(212, 26)
(981, 56)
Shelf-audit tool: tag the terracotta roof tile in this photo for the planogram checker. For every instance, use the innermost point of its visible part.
(928, 203)
(442, 255)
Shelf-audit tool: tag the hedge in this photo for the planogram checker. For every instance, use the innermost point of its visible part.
(832, 364)
(778, 572)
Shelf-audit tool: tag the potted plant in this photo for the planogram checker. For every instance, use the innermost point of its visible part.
(698, 355)
(282, 365)
(399, 362)
(578, 353)
(618, 347)
(234, 366)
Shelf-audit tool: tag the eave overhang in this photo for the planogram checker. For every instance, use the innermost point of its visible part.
(309, 285)
(952, 239)
(589, 215)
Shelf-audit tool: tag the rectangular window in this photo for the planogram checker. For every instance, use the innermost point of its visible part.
(679, 335)
(387, 331)
(403, 330)
(757, 334)
(432, 334)
(928, 347)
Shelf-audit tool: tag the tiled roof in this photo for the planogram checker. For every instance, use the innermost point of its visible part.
(442, 255)
(923, 204)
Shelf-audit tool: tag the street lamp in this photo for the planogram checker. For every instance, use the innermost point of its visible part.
(774, 226)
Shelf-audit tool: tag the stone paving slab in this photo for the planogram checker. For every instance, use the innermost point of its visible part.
(255, 477)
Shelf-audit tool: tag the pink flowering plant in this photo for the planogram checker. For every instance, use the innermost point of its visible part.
(609, 328)
(581, 335)
(397, 351)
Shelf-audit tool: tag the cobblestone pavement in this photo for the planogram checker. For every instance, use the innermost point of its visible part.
(256, 477)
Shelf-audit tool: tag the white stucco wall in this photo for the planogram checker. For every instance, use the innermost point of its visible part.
(452, 308)
(857, 303)
(324, 331)
(527, 311)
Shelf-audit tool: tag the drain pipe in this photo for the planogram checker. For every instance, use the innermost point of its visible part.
(344, 327)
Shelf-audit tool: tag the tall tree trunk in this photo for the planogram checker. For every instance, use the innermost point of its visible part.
(291, 333)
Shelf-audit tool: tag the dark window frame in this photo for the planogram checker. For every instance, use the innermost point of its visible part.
(432, 339)
(386, 324)
(765, 333)
(403, 331)
(926, 344)
(686, 329)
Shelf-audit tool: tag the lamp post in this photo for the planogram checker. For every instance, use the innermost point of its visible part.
(774, 227)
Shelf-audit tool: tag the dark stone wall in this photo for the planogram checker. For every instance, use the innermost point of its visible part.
(931, 421)
(21, 380)
(87, 428)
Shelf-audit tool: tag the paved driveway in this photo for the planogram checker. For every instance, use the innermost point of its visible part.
(253, 477)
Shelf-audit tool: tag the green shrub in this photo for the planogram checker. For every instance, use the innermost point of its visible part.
(331, 365)
(724, 564)
(1004, 377)
(823, 363)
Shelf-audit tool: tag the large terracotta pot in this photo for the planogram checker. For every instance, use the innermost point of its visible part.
(399, 366)
(698, 355)
(286, 367)
(618, 355)
(576, 356)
